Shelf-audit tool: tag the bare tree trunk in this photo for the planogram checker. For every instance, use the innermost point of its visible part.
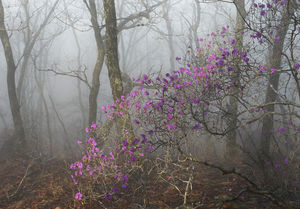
(231, 146)
(166, 17)
(273, 84)
(19, 133)
(112, 60)
(80, 100)
(41, 91)
(4, 123)
(99, 63)
(30, 42)
(67, 139)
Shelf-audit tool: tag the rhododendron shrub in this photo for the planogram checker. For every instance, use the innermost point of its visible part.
(167, 110)
(99, 175)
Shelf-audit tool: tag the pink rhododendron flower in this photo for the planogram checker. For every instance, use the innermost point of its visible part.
(78, 196)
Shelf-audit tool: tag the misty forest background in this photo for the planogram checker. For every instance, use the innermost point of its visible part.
(62, 60)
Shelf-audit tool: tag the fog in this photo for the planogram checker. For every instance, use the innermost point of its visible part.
(211, 82)
(142, 49)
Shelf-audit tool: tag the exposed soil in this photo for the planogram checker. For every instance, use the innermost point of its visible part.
(47, 184)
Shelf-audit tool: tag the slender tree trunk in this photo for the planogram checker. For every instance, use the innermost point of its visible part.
(30, 44)
(271, 94)
(99, 63)
(4, 123)
(41, 91)
(67, 139)
(166, 17)
(19, 133)
(231, 146)
(80, 100)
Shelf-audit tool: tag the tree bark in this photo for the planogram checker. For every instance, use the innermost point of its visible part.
(99, 63)
(166, 17)
(112, 62)
(19, 133)
(80, 99)
(112, 59)
(271, 94)
(30, 42)
(231, 145)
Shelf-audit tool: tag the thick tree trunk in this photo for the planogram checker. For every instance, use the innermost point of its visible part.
(112, 61)
(273, 84)
(19, 134)
(231, 146)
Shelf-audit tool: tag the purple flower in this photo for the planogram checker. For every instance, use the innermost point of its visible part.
(234, 52)
(133, 158)
(94, 125)
(78, 196)
(115, 190)
(283, 3)
(107, 196)
(79, 164)
(124, 186)
(262, 6)
(282, 130)
(125, 178)
(136, 140)
(286, 160)
(145, 76)
(263, 12)
(125, 143)
(112, 155)
(196, 127)
(262, 68)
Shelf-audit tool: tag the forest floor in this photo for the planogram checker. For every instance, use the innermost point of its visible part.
(47, 184)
